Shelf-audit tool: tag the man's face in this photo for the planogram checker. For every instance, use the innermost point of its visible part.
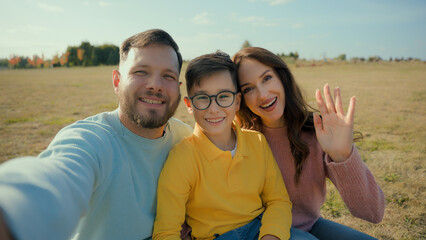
(147, 85)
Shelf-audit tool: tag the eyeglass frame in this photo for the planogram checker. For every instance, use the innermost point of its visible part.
(215, 98)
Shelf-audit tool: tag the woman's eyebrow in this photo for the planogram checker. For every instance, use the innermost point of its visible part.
(264, 73)
(261, 75)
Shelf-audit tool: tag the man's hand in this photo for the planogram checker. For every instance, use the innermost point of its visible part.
(187, 237)
(270, 237)
(4, 230)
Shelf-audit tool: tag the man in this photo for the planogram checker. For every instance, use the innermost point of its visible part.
(98, 177)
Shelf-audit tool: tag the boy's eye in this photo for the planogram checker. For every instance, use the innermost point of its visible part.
(202, 97)
(141, 72)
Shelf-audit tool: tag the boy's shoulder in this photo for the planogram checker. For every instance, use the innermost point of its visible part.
(252, 134)
(185, 144)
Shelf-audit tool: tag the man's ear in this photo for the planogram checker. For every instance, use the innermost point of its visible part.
(116, 80)
(237, 101)
(188, 104)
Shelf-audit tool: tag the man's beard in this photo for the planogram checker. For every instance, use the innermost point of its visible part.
(151, 118)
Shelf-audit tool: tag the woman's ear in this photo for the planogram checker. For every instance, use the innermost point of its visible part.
(188, 104)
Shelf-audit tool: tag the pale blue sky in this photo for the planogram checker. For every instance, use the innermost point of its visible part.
(313, 28)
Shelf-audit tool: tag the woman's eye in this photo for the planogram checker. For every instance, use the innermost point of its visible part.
(267, 78)
(246, 90)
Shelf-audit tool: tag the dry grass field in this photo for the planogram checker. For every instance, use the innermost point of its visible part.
(390, 112)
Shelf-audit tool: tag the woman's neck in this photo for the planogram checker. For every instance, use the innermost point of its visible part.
(279, 123)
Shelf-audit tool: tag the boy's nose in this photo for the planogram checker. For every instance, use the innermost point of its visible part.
(214, 107)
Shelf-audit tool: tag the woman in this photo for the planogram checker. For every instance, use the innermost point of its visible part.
(308, 148)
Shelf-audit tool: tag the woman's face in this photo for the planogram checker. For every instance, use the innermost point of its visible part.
(263, 92)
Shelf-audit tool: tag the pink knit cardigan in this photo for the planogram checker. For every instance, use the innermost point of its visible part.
(352, 178)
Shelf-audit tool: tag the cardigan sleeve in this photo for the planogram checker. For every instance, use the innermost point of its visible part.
(277, 217)
(172, 194)
(357, 186)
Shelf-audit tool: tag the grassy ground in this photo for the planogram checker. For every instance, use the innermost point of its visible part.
(390, 112)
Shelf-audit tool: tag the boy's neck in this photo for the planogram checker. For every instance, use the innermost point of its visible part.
(225, 142)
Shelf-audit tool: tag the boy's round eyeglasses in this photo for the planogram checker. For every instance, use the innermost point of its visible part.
(224, 99)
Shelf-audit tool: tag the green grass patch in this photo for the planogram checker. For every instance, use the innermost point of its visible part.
(391, 178)
(108, 107)
(59, 121)
(418, 96)
(46, 133)
(376, 145)
(333, 204)
(18, 120)
(399, 199)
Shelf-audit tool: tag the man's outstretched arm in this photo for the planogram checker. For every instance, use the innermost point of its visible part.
(5, 233)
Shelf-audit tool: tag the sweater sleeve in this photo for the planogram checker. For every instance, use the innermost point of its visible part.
(44, 197)
(173, 190)
(277, 217)
(357, 186)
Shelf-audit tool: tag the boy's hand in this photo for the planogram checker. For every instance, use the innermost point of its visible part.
(270, 237)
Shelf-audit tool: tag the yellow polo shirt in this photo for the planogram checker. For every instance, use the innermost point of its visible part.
(216, 193)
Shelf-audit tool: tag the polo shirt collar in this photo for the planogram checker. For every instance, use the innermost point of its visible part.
(211, 151)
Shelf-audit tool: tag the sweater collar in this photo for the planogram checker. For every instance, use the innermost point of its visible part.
(273, 133)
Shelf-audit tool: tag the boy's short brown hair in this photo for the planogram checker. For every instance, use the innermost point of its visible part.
(207, 65)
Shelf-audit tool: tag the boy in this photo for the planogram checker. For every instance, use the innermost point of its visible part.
(222, 180)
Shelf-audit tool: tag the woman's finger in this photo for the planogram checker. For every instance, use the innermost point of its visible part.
(351, 109)
(328, 99)
(338, 99)
(321, 104)
(317, 122)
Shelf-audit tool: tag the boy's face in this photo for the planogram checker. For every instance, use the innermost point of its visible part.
(215, 121)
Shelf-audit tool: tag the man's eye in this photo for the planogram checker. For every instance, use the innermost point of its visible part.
(170, 77)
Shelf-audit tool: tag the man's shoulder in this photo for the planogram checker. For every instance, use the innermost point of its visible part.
(178, 127)
(176, 122)
(97, 126)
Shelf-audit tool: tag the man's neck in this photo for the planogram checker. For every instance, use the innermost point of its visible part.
(149, 133)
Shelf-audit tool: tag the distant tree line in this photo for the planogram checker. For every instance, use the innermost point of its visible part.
(83, 55)
(291, 57)
(108, 54)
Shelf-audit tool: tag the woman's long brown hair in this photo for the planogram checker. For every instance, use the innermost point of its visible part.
(297, 115)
